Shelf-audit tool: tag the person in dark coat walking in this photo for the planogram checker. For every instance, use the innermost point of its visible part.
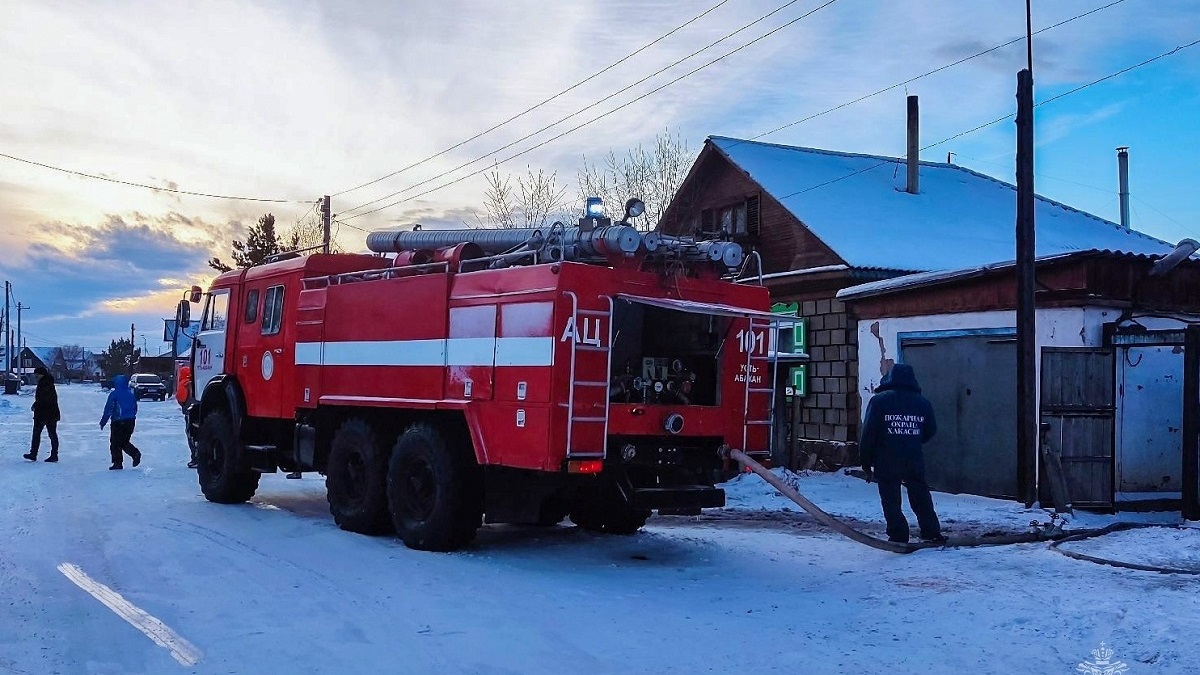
(122, 409)
(45, 415)
(898, 422)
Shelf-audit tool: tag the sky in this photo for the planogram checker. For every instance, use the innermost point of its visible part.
(288, 101)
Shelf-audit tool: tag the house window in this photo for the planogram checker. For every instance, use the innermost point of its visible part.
(733, 220)
(252, 306)
(272, 311)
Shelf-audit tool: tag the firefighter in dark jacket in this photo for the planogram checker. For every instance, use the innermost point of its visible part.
(122, 409)
(898, 421)
(45, 415)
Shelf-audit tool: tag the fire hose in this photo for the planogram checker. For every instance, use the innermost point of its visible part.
(1050, 533)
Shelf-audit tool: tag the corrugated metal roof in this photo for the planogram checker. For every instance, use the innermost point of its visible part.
(858, 206)
(923, 279)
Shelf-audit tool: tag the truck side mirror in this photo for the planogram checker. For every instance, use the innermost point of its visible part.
(183, 315)
(194, 294)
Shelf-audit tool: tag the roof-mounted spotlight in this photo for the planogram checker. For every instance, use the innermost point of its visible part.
(634, 208)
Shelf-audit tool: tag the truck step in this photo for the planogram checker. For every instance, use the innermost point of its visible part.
(260, 448)
(588, 383)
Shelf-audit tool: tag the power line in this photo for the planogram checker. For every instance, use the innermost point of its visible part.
(932, 72)
(351, 226)
(149, 187)
(542, 103)
(1000, 119)
(584, 124)
(306, 213)
(604, 99)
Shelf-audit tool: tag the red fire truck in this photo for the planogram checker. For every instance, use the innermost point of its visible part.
(468, 376)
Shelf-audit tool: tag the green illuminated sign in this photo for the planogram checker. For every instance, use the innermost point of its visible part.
(798, 380)
(793, 339)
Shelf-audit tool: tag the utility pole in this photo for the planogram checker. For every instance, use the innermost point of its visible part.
(7, 322)
(131, 349)
(20, 366)
(1027, 422)
(325, 224)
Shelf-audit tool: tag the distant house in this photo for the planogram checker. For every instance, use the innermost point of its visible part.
(50, 358)
(822, 221)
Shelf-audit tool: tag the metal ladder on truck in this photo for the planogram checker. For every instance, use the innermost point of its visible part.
(766, 369)
(587, 389)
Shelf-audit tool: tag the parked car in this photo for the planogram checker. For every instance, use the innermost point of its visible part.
(148, 385)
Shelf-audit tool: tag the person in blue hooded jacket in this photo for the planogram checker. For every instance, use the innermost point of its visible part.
(122, 409)
(898, 422)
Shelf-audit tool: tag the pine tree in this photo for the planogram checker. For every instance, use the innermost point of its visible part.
(117, 359)
(261, 243)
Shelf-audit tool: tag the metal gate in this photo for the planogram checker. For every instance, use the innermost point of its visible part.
(971, 382)
(1077, 411)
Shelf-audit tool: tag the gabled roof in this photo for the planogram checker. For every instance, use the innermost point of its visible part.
(47, 355)
(857, 205)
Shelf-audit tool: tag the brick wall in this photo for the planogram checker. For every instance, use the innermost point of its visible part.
(825, 422)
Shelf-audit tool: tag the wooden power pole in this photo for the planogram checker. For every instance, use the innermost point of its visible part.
(326, 219)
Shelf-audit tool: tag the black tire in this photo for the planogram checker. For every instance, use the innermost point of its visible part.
(356, 480)
(223, 476)
(434, 491)
(610, 518)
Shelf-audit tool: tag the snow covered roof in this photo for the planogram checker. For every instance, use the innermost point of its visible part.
(923, 279)
(47, 355)
(857, 205)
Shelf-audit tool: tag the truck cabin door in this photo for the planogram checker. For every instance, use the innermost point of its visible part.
(210, 340)
(269, 367)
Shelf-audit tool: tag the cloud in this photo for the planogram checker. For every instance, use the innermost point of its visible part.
(84, 282)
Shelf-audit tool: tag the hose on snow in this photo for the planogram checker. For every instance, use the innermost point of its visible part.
(894, 547)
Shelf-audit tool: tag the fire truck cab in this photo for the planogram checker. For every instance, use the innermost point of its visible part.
(451, 385)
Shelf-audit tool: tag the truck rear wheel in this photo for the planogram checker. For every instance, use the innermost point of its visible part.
(222, 475)
(434, 491)
(356, 480)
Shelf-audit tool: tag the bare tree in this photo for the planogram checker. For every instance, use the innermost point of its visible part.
(536, 200)
(73, 357)
(308, 233)
(652, 175)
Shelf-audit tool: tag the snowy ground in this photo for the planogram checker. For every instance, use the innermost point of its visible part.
(275, 587)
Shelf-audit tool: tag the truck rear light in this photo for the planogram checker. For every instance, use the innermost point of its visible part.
(585, 466)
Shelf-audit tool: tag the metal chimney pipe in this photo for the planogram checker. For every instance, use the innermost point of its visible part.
(1183, 250)
(1123, 174)
(914, 146)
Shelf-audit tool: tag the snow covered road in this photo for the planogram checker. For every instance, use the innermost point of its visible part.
(276, 587)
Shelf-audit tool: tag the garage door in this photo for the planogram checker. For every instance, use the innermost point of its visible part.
(971, 382)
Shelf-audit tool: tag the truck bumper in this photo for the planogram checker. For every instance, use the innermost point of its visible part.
(687, 497)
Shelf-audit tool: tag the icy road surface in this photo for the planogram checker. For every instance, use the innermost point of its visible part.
(134, 572)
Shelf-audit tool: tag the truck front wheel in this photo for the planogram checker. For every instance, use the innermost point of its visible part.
(356, 480)
(434, 491)
(223, 477)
